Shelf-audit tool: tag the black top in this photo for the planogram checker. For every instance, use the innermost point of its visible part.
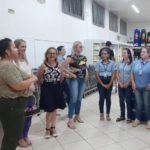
(78, 65)
(111, 54)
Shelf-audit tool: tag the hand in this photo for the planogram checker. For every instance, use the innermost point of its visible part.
(86, 77)
(148, 87)
(125, 85)
(32, 87)
(133, 86)
(106, 86)
(73, 76)
(34, 78)
(121, 85)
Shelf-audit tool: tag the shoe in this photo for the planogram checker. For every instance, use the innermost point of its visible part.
(53, 132)
(47, 133)
(28, 141)
(136, 123)
(102, 117)
(120, 119)
(71, 125)
(78, 119)
(129, 120)
(108, 117)
(22, 143)
(148, 125)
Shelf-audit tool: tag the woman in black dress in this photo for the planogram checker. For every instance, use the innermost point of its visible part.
(51, 90)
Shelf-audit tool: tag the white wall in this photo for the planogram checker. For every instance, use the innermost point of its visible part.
(138, 25)
(45, 23)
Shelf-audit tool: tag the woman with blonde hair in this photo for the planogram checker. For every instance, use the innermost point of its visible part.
(23, 64)
(77, 64)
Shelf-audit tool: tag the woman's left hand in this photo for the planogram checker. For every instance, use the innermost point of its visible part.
(86, 77)
(148, 87)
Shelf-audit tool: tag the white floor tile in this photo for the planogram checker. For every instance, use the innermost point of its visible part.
(100, 141)
(112, 147)
(120, 136)
(91, 135)
(69, 138)
(43, 144)
(82, 145)
(133, 144)
(145, 138)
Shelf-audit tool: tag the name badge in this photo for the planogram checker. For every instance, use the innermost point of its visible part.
(140, 72)
(105, 75)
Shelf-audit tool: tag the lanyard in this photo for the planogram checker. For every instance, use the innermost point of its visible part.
(141, 68)
(105, 69)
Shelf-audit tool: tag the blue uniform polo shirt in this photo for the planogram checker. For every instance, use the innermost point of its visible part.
(141, 73)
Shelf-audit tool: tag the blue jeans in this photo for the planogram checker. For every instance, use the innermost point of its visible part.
(28, 120)
(77, 87)
(125, 96)
(142, 100)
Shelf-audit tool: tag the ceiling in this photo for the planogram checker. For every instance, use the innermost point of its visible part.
(123, 9)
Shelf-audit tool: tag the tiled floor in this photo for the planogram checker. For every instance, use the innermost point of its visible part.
(93, 134)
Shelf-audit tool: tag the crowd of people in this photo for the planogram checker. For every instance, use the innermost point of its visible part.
(62, 83)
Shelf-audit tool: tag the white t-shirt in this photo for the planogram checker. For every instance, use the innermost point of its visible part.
(25, 67)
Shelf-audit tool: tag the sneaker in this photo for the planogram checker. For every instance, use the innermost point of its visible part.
(129, 120)
(120, 119)
(136, 123)
(108, 117)
(148, 125)
(102, 117)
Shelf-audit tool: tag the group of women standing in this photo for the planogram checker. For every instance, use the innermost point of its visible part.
(58, 75)
(133, 80)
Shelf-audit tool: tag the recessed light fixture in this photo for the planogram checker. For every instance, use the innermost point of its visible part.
(135, 9)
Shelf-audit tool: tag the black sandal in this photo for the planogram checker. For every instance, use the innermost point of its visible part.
(53, 132)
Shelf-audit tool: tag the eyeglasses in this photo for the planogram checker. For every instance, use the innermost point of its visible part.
(52, 53)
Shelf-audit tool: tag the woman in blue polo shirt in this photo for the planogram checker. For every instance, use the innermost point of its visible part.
(105, 72)
(141, 85)
(123, 74)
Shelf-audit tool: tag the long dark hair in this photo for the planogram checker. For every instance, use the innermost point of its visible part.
(129, 54)
(4, 45)
(46, 53)
(106, 49)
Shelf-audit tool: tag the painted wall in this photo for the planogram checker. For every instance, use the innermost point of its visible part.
(44, 25)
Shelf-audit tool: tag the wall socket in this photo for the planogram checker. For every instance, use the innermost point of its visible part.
(11, 11)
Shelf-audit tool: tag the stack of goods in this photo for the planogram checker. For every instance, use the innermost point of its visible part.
(141, 38)
(137, 37)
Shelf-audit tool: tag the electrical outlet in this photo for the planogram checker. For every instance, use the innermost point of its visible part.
(11, 11)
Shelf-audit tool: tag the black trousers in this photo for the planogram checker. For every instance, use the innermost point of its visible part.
(125, 96)
(65, 86)
(104, 94)
(12, 119)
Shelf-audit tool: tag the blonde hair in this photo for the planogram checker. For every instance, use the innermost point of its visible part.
(47, 51)
(75, 45)
(17, 44)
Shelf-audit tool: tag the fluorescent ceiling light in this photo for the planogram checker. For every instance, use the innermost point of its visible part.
(135, 9)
